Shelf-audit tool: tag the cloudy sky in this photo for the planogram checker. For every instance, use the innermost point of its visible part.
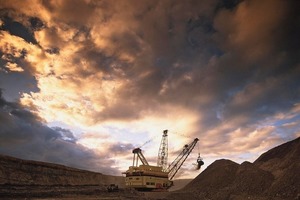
(84, 82)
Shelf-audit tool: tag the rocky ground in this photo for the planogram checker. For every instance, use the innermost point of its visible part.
(273, 176)
(65, 192)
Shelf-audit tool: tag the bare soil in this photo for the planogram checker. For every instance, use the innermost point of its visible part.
(65, 192)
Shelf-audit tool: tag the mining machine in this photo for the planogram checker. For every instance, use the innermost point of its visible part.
(150, 177)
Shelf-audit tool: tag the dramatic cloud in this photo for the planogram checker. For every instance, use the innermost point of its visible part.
(24, 136)
(108, 76)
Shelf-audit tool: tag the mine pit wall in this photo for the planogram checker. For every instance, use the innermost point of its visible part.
(15, 171)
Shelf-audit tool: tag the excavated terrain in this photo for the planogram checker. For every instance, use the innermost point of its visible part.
(15, 171)
(273, 176)
(25, 179)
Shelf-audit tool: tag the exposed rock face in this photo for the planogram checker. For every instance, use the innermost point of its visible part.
(274, 175)
(15, 171)
(27, 179)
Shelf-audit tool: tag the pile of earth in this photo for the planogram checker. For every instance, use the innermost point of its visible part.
(274, 175)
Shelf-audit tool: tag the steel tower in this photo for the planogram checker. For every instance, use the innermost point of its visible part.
(162, 160)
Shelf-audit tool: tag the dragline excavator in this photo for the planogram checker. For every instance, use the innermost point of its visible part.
(150, 177)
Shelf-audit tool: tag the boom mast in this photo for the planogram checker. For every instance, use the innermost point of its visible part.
(177, 163)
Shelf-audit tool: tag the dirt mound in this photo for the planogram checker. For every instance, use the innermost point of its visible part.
(251, 180)
(287, 184)
(284, 151)
(179, 184)
(284, 163)
(218, 175)
(212, 183)
(280, 158)
(274, 175)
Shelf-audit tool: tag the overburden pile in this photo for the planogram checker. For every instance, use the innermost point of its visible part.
(274, 175)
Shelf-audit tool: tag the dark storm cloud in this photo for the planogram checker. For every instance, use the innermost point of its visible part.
(120, 148)
(17, 29)
(66, 134)
(23, 135)
(68, 10)
(53, 50)
(198, 54)
(203, 59)
(266, 83)
(228, 4)
(36, 24)
(238, 63)
(175, 48)
(234, 63)
(15, 83)
(233, 67)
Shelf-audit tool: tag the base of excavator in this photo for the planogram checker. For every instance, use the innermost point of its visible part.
(147, 178)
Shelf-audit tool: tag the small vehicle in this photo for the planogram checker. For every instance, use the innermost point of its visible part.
(113, 188)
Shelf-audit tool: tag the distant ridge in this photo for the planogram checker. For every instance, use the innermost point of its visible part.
(38, 163)
(14, 171)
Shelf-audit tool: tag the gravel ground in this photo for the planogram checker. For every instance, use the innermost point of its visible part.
(65, 192)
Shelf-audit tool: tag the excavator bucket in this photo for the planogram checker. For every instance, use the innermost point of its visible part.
(199, 163)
